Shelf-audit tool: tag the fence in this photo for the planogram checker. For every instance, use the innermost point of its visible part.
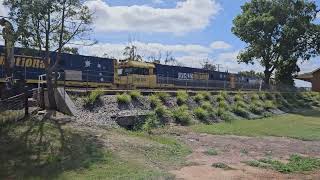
(16, 108)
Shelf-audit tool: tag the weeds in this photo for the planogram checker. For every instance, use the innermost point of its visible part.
(182, 115)
(162, 111)
(201, 114)
(240, 111)
(124, 98)
(296, 164)
(269, 105)
(198, 97)
(211, 152)
(154, 101)
(93, 97)
(151, 122)
(221, 166)
(135, 94)
(163, 96)
(207, 106)
(182, 97)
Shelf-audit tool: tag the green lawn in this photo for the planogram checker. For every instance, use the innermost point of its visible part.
(36, 149)
(305, 126)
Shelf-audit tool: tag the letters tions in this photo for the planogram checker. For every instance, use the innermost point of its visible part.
(28, 62)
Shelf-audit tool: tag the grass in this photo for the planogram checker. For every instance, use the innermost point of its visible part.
(154, 101)
(47, 150)
(93, 97)
(182, 115)
(221, 166)
(182, 97)
(135, 94)
(211, 152)
(303, 126)
(124, 98)
(296, 164)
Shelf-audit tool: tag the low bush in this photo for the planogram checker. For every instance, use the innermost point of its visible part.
(135, 94)
(124, 98)
(269, 105)
(269, 96)
(240, 111)
(241, 104)
(223, 104)
(238, 97)
(151, 122)
(207, 106)
(201, 114)
(255, 97)
(154, 101)
(206, 95)
(256, 108)
(211, 152)
(182, 115)
(262, 95)
(162, 111)
(222, 96)
(163, 96)
(182, 97)
(224, 115)
(93, 97)
(198, 97)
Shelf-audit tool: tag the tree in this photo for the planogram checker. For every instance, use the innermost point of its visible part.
(70, 50)
(284, 75)
(276, 31)
(209, 66)
(130, 52)
(47, 26)
(252, 73)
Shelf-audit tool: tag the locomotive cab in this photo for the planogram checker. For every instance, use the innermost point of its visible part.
(135, 74)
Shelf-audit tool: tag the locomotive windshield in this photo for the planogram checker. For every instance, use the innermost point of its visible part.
(133, 70)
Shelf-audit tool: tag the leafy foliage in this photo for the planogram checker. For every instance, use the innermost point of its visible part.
(154, 101)
(182, 115)
(135, 94)
(124, 98)
(201, 114)
(93, 97)
(163, 96)
(182, 97)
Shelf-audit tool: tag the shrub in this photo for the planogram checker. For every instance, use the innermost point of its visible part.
(262, 95)
(255, 97)
(93, 96)
(198, 97)
(269, 105)
(182, 97)
(211, 152)
(207, 106)
(238, 98)
(162, 111)
(124, 98)
(163, 96)
(241, 104)
(154, 101)
(201, 114)
(256, 108)
(223, 104)
(151, 122)
(222, 96)
(206, 95)
(135, 94)
(240, 111)
(182, 115)
(269, 96)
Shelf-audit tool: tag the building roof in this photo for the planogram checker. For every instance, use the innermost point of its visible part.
(307, 76)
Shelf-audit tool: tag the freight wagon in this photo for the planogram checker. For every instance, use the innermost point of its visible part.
(88, 71)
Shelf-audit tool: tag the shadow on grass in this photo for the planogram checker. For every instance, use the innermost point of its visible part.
(43, 149)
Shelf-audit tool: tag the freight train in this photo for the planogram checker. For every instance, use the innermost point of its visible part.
(89, 71)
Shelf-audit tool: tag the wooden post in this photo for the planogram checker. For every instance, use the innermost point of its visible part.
(42, 101)
(26, 106)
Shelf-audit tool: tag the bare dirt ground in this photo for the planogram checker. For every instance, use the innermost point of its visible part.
(233, 150)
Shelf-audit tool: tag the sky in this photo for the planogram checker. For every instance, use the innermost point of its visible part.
(193, 31)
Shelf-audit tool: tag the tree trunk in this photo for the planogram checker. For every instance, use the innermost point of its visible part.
(50, 87)
(267, 76)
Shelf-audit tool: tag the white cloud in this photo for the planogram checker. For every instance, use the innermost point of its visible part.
(144, 49)
(187, 16)
(3, 9)
(220, 45)
(228, 61)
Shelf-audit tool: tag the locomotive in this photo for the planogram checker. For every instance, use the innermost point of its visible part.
(88, 71)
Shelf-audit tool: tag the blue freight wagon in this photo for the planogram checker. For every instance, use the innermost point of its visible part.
(74, 70)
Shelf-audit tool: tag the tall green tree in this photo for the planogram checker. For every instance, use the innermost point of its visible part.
(47, 26)
(276, 31)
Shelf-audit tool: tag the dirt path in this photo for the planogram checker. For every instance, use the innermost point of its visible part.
(233, 150)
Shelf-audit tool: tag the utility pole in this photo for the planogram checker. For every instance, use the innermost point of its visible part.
(218, 65)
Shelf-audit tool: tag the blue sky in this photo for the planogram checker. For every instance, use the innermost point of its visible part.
(192, 30)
